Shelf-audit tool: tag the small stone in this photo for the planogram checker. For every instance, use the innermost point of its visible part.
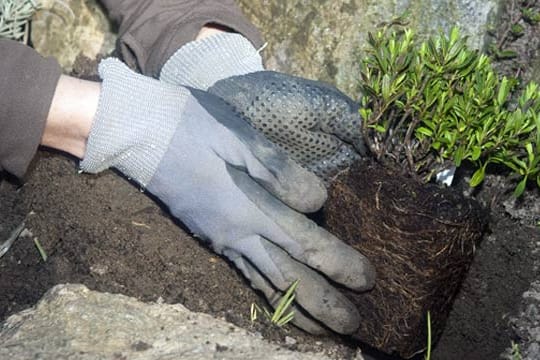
(26, 233)
(99, 269)
(290, 341)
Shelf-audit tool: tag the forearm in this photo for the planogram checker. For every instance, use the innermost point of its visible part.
(74, 106)
(29, 117)
(70, 116)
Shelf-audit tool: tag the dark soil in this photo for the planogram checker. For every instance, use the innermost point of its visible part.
(505, 264)
(103, 232)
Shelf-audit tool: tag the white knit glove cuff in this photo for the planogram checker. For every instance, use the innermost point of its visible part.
(134, 123)
(201, 63)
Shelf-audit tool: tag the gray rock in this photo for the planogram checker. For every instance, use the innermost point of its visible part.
(321, 39)
(69, 28)
(72, 322)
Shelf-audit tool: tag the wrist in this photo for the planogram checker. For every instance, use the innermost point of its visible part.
(210, 30)
(71, 114)
(135, 121)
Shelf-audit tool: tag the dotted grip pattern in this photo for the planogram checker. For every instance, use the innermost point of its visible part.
(316, 124)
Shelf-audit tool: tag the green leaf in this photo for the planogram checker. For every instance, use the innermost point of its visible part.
(458, 156)
(476, 152)
(522, 165)
(371, 40)
(520, 188)
(369, 90)
(365, 113)
(41, 250)
(386, 90)
(531, 16)
(449, 137)
(430, 124)
(454, 34)
(517, 30)
(429, 338)
(400, 79)
(529, 148)
(478, 176)
(507, 54)
(424, 131)
(378, 128)
(503, 91)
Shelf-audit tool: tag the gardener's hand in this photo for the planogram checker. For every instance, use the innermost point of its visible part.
(314, 122)
(230, 186)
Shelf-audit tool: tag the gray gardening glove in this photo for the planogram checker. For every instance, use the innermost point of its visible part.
(316, 124)
(230, 186)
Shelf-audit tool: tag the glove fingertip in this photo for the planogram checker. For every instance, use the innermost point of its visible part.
(301, 189)
(343, 317)
(350, 324)
(366, 279)
(360, 275)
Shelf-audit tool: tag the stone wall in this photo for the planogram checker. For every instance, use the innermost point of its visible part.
(319, 39)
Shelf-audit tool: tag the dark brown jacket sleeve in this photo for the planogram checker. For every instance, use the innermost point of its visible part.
(27, 84)
(151, 31)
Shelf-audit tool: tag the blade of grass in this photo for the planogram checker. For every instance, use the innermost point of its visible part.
(283, 305)
(254, 311)
(428, 351)
(42, 252)
(280, 316)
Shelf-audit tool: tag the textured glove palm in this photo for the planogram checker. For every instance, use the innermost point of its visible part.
(230, 186)
(313, 122)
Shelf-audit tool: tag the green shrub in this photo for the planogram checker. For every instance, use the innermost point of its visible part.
(431, 104)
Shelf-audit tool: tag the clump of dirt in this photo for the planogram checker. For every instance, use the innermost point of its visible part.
(421, 239)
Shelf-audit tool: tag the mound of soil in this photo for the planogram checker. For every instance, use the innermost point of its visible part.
(101, 231)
